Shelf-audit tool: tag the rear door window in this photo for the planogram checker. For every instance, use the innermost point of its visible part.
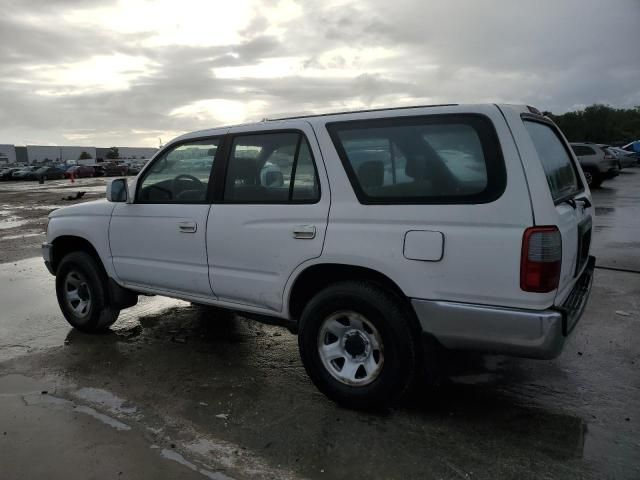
(437, 159)
(271, 168)
(556, 161)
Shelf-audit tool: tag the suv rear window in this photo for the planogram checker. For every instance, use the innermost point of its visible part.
(436, 159)
(581, 150)
(556, 161)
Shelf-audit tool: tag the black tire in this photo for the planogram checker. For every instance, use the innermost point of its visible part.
(593, 177)
(90, 283)
(395, 326)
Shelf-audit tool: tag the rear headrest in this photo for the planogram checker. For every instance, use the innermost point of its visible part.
(371, 174)
(245, 169)
(416, 167)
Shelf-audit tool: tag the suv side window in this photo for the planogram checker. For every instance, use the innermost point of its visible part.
(556, 161)
(437, 159)
(181, 175)
(271, 168)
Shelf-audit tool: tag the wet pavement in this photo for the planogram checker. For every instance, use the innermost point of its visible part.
(24, 207)
(617, 202)
(178, 391)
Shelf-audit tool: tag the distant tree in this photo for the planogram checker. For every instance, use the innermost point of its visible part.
(113, 153)
(85, 156)
(600, 124)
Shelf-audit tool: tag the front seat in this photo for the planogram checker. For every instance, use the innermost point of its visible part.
(371, 175)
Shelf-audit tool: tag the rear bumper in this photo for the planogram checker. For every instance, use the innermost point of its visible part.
(509, 331)
(612, 172)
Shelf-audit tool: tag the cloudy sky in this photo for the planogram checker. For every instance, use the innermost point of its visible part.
(99, 72)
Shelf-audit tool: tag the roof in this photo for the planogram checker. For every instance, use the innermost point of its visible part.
(275, 118)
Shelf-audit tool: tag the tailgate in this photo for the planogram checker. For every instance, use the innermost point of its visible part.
(564, 201)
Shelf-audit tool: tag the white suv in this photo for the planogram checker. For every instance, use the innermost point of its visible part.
(365, 232)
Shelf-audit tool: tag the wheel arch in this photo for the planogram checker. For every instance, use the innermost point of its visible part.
(317, 276)
(66, 244)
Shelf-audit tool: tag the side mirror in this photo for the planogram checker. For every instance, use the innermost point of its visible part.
(117, 190)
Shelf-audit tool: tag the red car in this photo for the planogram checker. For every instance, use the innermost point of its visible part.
(80, 171)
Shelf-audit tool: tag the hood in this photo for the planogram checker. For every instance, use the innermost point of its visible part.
(94, 208)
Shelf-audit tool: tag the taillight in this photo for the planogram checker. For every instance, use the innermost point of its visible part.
(541, 259)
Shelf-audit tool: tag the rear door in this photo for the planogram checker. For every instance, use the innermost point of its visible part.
(565, 184)
(271, 216)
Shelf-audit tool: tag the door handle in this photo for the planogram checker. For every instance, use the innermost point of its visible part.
(188, 227)
(304, 232)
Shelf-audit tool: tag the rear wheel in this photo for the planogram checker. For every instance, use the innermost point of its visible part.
(592, 177)
(83, 296)
(359, 345)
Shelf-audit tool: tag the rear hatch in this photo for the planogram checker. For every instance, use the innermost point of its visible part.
(571, 198)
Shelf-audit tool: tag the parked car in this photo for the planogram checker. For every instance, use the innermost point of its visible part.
(8, 173)
(47, 173)
(625, 159)
(79, 171)
(598, 164)
(133, 169)
(23, 173)
(376, 236)
(114, 170)
(98, 170)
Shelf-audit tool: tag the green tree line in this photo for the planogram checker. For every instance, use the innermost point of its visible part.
(600, 124)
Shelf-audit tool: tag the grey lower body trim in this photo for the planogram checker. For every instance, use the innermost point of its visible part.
(517, 332)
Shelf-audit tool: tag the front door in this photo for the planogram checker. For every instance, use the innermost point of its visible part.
(272, 215)
(159, 240)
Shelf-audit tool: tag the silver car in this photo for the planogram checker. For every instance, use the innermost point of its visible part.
(598, 164)
(625, 158)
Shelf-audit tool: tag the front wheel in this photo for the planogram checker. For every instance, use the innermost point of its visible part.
(83, 296)
(359, 345)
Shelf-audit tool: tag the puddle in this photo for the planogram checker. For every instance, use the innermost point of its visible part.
(12, 222)
(31, 318)
(604, 210)
(37, 207)
(105, 399)
(24, 235)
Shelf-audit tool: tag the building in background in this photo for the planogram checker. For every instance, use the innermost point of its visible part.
(32, 154)
(127, 153)
(21, 155)
(7, 154)
(52, 153)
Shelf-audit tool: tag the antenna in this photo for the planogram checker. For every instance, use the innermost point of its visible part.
(160, 142)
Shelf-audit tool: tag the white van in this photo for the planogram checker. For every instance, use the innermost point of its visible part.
(365, 232)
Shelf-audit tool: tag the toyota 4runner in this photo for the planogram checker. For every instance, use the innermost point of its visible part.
(365, 232)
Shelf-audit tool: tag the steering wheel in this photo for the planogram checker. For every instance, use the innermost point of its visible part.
(186, 176)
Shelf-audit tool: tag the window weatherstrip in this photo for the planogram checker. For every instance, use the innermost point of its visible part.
(292, 176)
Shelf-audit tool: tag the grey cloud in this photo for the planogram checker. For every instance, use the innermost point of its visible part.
(551, 54)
